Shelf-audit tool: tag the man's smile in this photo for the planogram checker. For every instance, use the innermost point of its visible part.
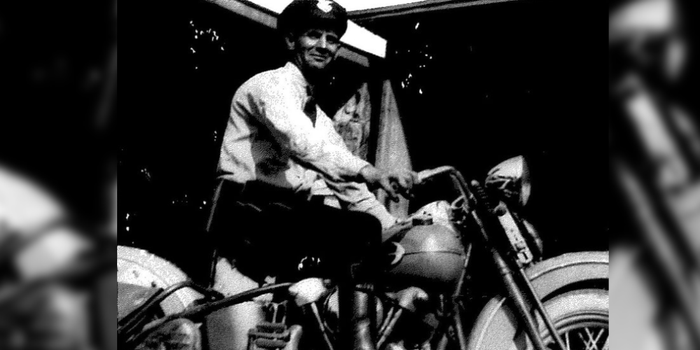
(318, 57)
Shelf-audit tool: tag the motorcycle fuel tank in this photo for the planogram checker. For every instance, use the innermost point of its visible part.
(429, 256)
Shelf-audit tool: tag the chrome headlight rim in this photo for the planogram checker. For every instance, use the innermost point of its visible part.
(510, 180)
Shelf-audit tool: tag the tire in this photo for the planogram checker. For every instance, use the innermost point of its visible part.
(139, 267)
(575, 314)
(580, 316)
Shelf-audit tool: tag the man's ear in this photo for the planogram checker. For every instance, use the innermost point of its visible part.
(289, 40)
(341, 45)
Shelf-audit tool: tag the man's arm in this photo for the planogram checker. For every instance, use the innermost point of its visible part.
(277, 108)
(356, 197)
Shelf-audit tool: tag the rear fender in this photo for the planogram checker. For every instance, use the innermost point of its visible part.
(142, 268)
(131, 296)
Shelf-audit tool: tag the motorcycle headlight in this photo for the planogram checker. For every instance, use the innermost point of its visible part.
(511, 180)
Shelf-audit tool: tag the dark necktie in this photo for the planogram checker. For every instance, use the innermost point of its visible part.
(310, 109)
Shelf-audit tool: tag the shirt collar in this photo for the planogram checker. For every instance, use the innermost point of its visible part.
(298, 77)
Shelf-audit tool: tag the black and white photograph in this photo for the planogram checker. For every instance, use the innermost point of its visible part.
(317, 174)
(350, 174)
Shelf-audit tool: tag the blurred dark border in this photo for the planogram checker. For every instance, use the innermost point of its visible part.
(58, 100)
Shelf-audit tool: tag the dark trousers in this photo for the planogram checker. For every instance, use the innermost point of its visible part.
(269, 231)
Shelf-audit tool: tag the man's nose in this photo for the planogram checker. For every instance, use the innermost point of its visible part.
(322, 42)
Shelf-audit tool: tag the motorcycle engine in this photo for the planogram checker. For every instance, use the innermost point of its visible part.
(416, 324)
(331, 307)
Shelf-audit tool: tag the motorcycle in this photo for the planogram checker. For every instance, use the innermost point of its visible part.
(434, 285)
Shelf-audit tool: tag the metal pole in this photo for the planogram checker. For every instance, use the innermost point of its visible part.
(319, 324)
(459, 326)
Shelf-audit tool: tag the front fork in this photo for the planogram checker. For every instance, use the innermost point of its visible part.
(521, 305)
(520, 299)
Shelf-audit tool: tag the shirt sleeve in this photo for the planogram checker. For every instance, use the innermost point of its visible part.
(352, 195)
(276, 106)
(357, 197)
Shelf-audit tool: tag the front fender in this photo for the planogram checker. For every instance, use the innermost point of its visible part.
(496, 325)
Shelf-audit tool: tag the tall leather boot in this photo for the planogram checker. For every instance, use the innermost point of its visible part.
(356, 313)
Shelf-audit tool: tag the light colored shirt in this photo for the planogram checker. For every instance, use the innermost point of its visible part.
(270, 138)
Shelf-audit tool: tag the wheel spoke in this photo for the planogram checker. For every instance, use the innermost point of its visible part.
(580, 335)
(597, 338)
(592, 342)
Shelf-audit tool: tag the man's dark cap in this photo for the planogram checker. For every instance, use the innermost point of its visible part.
(302, 15)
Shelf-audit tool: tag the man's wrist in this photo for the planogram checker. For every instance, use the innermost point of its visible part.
(367, 173)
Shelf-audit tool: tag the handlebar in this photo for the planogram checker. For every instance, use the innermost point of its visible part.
(424, 175)
(456, 176)
(428, 173)
(466, 192)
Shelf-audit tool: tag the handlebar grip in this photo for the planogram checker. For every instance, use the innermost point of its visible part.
(426, 174)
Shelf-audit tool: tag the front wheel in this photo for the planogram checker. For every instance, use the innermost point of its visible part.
(581, 318)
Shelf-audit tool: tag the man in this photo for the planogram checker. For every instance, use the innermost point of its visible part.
(285, 171)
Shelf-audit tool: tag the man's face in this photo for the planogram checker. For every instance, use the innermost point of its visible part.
(314, 49)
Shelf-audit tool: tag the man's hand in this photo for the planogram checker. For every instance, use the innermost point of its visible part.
(395, 183)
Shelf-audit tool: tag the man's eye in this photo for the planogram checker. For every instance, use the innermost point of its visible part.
(313, 34)
(332, 40)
